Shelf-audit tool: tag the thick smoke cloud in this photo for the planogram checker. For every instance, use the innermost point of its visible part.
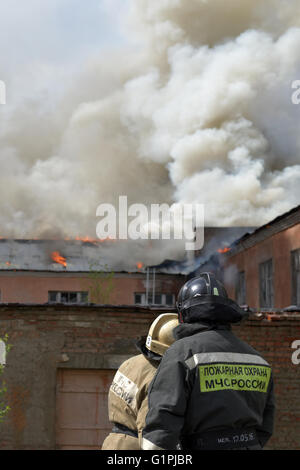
(198, 109)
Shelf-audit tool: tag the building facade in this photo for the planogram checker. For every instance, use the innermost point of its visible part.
(81, 288)
(39, 271)
(262, 269)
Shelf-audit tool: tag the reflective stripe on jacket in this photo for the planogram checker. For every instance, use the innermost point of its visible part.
(209, 382)
(127, 402)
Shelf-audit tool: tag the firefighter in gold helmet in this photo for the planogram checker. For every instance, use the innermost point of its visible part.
(127, 399)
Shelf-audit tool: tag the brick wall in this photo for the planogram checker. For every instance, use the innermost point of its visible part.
(272, 336)
(45, 338)
(33, 287)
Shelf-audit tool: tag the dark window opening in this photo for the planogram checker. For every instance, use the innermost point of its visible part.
(295, 264)
(140, 298)
(66, 297)
(240, 292)
(266, 284)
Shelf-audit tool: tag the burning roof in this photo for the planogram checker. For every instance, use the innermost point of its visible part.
(63, 256)
(217, 240)
(85, 255)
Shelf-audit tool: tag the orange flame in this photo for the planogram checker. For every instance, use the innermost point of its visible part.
(223, 250)
(93, 240)
(58, 258)
(85, 239)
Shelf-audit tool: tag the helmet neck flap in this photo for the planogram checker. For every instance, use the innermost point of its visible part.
(212, 309)
(141, 347)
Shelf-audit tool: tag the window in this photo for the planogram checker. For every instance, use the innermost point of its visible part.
(159, 299)
(295, 264)
(170, 300)
(266, 284)
(66, 297)
(240, 290)
(138, 298)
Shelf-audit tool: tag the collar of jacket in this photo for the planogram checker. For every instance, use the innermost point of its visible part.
(189, 329)
(141, 347)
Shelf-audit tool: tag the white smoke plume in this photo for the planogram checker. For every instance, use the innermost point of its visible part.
(196, 110)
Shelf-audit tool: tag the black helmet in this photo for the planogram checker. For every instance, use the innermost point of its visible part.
(205, 298)
(205, 284)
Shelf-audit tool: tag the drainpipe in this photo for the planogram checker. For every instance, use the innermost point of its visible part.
(153, 287)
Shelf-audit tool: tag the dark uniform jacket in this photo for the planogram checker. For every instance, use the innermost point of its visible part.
(127, 399)
(211, 391)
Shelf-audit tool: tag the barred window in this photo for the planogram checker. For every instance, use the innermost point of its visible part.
(67, 297)
(158, 299)
(266, 293)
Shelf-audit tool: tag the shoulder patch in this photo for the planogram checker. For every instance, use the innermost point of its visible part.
(125, 389)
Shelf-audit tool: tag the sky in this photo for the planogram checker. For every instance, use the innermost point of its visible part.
(40, 38)
(54, 30)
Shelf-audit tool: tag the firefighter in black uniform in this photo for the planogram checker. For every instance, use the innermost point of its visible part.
(212, 391)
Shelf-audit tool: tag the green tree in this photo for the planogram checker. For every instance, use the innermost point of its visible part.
(100, 283)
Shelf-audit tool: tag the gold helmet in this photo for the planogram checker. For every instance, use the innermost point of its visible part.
(160, 335)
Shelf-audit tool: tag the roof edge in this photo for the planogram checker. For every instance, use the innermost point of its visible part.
(280, 223)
